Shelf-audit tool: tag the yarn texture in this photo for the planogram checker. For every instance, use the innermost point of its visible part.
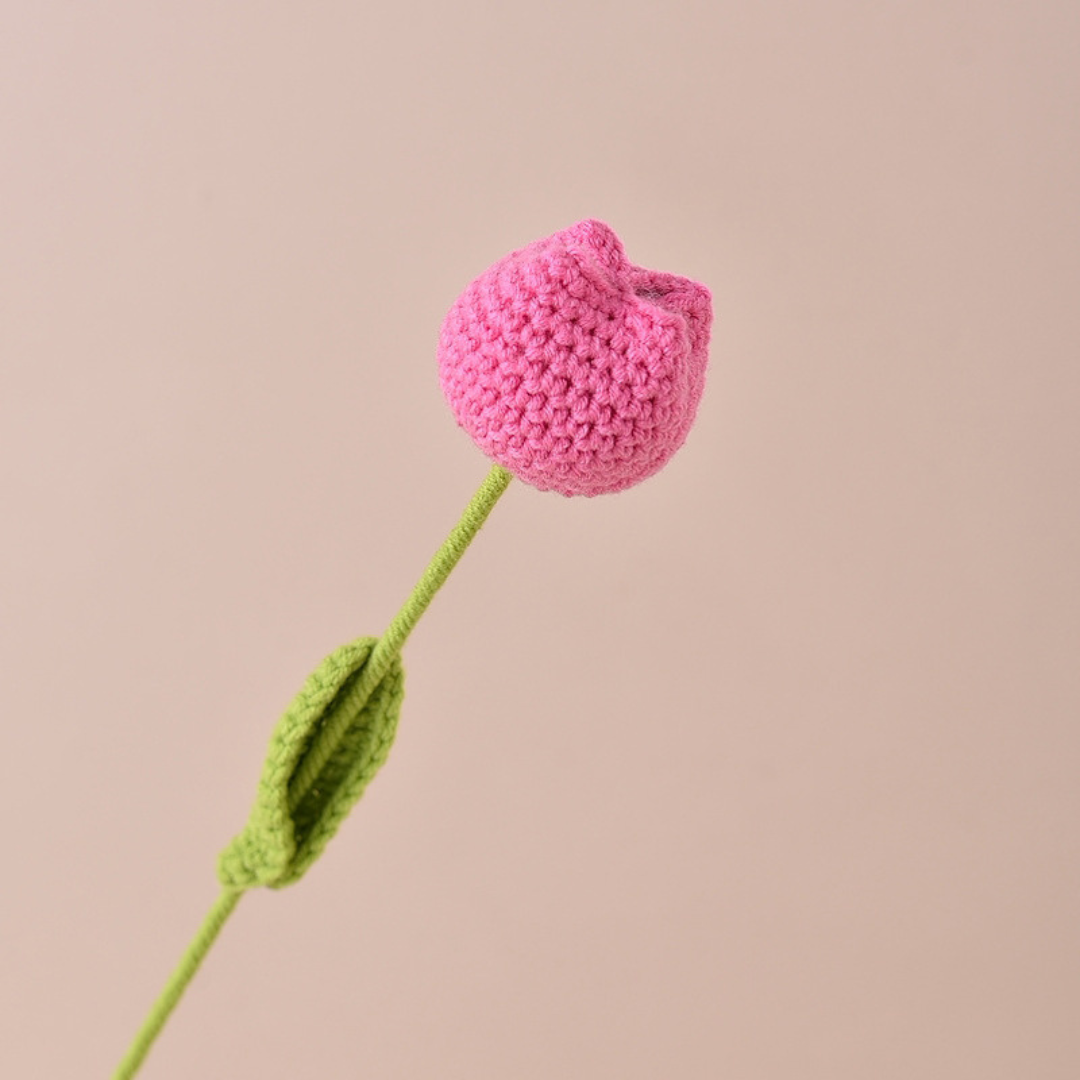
(574, 369)
(288, 829)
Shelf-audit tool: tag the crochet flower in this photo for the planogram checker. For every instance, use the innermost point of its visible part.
(574, 369)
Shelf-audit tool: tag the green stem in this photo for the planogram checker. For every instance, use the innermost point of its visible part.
(382, 656)
(389, 645)
(174, 988)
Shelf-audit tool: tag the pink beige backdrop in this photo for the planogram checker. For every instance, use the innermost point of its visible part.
(766, 769)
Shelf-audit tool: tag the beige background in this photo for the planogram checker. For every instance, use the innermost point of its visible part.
(764, 769)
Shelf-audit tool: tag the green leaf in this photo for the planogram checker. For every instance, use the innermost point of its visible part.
(280, 841)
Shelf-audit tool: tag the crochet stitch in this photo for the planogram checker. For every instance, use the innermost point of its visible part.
(571, 367)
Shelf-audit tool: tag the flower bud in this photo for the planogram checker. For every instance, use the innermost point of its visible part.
(571, 367)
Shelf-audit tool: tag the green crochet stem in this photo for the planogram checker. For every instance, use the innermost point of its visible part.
(389, 645)
(382, 662)
(178, 980)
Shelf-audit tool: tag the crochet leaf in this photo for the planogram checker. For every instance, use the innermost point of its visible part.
(281, 840)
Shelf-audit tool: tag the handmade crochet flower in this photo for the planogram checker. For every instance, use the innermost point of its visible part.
(571, 367)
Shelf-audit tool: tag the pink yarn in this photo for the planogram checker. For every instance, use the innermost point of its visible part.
(571, 367)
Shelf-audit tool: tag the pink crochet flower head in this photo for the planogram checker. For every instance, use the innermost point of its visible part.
(571, 367)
